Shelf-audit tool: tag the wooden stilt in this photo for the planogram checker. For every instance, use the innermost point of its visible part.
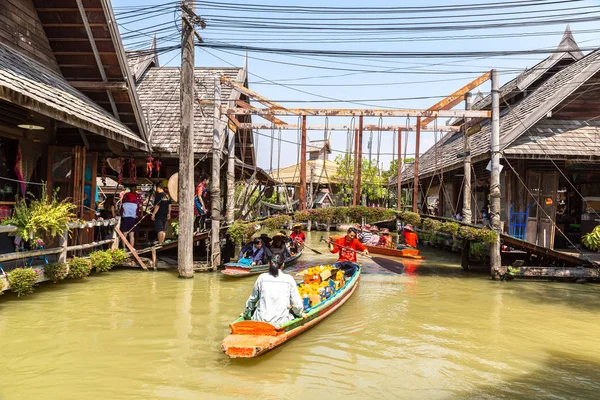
(466, 211)
(495, 262)
(400, 163)
(415, 206)
(302, 191)
(359, 160)
(215, 189)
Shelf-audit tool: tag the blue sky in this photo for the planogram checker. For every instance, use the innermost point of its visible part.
(423, 81)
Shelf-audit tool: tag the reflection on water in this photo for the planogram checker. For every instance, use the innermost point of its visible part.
(434, 332)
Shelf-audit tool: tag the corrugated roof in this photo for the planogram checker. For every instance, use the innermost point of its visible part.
(31, 85)
(159, 94)
(513, 124)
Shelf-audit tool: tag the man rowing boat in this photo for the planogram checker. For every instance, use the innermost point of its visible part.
(347, 247)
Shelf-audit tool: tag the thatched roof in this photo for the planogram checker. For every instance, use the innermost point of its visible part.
(31, 85)
(291, 175)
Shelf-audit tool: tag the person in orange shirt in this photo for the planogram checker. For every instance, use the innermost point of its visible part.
(347, 258)
(297, 238)
(410, 238)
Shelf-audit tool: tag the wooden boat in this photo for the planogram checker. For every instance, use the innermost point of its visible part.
(250, 339)
(386, 251)
(238, 270)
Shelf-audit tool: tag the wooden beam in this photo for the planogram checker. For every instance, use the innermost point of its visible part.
(250, 93)
(97, 85)
(456, 97)
(268, 117)
(400, 163)
(339, 112)
(359, 160)
(345, 128)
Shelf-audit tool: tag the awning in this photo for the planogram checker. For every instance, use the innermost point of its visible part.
(30, 85)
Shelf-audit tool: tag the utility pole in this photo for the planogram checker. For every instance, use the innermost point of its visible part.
(495, 262)
(400, 164)
(185, 249)
(416, 177)
(359, 161)
(466, 212)
(215, 188)
(302, 194)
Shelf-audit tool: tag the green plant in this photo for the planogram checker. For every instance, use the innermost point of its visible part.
(56, 272)
(478, 250)
(467, 232)
(592, 240)
(302, 216)
(451, 228)
(79, 268)
(22, 280)
(486, 236)
(44, 216)
(512, 272)
(118, 256)
(102, 261)
(410, 217)
(240, 231)
(276, 222)
(431, 225)
(175, 227)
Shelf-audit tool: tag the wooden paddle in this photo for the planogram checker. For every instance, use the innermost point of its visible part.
(385, 263)
(311, 249)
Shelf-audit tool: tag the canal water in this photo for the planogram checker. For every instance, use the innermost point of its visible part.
(434, 332)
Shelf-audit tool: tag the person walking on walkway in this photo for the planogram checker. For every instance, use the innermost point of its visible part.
(161, 213)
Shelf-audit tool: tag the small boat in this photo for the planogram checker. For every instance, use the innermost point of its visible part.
(238, 270)
(250, 339)
(405, 253)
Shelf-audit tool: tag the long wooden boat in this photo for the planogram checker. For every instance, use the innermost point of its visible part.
(238, 270)
(386, 251)
(250, 339)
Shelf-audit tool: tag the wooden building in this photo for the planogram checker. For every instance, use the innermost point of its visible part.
(66, 98)
(550, 152)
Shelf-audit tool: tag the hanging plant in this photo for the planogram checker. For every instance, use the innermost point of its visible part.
(132, 171)
(102, 261)
(22, 280)
(79, 268)
(56, 272)
(149, 166)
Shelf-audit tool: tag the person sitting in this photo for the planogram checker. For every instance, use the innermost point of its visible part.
(347, 258)
(275, 298)
(365, 235)
(298, 238)
(386, 239)
(278, 246)
(410, 238)
(253, 251)
(374, 241)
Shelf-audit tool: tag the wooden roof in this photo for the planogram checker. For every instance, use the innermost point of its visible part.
(141, 60)
(90, 55)
(515, 121)
(31, 85)
(159, 94)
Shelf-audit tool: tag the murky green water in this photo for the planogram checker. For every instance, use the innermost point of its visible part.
(433, 333)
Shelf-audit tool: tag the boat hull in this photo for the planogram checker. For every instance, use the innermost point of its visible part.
(406, 253)
(236, 270)
(249, 339)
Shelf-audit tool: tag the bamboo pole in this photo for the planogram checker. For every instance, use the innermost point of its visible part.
(400, 163)
(302, 190)
(416, 177)
(359, 160)
(230, 208)
(215, 189)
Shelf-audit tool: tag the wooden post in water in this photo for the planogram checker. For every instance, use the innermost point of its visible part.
(355, 196)
(467, 217)
(302, 193)
(416, 178)
(466, 212)
(230, 207)
(400, 163)
(359, 160)
(215, 188)
(495, 262)
(185, 248)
